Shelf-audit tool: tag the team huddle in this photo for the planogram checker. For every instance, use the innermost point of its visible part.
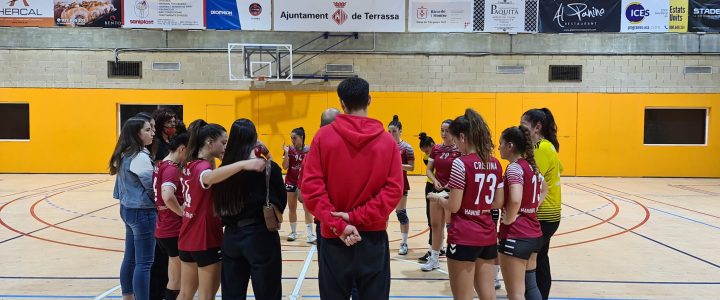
(214, 224)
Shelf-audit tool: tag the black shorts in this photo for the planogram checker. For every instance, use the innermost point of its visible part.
(405, 193)
(471, 253)
(520, 248)
(290, 188)
(495, 215)
(202, 258)
(429, 187)
(169, 245)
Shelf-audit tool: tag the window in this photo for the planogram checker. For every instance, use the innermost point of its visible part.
(14, 121)
(128, 111)
(676, 126)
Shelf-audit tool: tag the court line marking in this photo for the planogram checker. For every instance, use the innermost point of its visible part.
(419, 264)
(645, 198)
(106, 293)
(301, 277)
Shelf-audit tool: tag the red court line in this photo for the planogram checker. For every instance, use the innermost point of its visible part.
(86, 184)
(617, 211)
(692, 189)
(42, 187)
(32, 212)
(641, 197)
(590, 190)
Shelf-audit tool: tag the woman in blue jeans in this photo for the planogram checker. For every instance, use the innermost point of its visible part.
(132, 164)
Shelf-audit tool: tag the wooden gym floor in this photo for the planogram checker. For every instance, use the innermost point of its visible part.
(620, 238)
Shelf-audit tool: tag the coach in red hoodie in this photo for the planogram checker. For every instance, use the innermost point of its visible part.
(352, 181)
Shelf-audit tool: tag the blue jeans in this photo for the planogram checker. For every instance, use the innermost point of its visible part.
(139, 250)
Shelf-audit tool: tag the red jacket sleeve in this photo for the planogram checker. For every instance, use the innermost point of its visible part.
(384, 202)
(314, 189)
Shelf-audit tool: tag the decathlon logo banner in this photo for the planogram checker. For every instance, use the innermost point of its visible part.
(580, 16)
(508, 15)
(239, 14)
(339, 15)
(19, 13)
(645, 16)
(704, 16)
(440, 16)
(164, 14)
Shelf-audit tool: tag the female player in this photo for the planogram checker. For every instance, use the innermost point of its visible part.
(407, 156)
(426, 145)
(292, 162)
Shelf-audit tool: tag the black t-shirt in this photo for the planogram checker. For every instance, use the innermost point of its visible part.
(253, 193)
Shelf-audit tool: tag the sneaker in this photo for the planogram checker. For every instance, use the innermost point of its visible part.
(403, 249)
(424, 258)
(292, 236)
(430, 265)
(497, 284)
(311, 239)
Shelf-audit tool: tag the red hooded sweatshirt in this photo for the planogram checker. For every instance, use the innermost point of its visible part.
(353, 166)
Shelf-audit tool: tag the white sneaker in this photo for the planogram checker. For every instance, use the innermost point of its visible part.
(497, 284)
(292, 236)
(311, 239)
(403, 249)
(432, 264)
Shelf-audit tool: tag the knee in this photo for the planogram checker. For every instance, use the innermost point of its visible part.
(402, 216)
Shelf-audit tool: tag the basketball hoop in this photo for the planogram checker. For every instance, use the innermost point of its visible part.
(259, 81)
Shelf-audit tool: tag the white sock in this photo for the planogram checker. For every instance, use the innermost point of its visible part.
(308, 229)
(293, 227)
(404, 237)
(497, 272)
(434, 254)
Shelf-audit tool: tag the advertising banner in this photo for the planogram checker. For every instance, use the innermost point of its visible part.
(26, 13)
(88, 13)
(440, 16)
(239, 14)
(343, 16)
(559, 16)
(704, 16)
(510, 16)
(164, 14)
(645, 16)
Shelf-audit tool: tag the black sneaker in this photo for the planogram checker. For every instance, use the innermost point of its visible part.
(442, 252)
(424, 258)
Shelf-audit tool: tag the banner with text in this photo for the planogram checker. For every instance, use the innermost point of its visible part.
(561, 16)
(26, 13)
(164, 14)
(645, 16)
(440, 16)
(345, 16)
(88, 13)
(239, 14)
(704, 16)
(507, 15)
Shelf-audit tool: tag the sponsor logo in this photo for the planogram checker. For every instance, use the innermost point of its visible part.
(422, 13)
(255, 9)
(636, 13)
(12, 2)
(221, 12)
(142, 10)
(706, 11)
(578, 14)
(339, 16)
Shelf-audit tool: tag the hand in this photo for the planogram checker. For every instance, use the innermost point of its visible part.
(438, 186)
(286, 150)
(255, 164)
(350, 236)
(343, 215)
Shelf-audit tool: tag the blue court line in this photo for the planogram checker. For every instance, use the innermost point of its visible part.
(686, 218)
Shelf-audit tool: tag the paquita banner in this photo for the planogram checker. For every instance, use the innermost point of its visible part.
(645, 16)
(345, 16)
(239, 14)
(704, 16)
(19, 13)
(440, 16)
(164, 14)
(579, 16)
(508, 15)
(88, 13)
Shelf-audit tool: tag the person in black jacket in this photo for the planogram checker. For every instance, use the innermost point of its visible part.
(249, 250)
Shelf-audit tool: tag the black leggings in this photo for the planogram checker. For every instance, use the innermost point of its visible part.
(428, 189)
(544, 278)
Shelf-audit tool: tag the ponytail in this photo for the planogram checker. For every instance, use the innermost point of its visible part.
(520, 137)
(200, 131)
(396, 122)
(477, 132)
(425, 140)
(547, 122)
(529, 153)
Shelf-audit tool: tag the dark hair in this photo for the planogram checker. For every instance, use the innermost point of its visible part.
(520, 137)
(425, 140)
(547, 122)
(177, 141)
(448, 121)
(199, 132)
(143, 115)
(328, 116)
(161, 116)
(396, 122)
(180, 127)
(476, 131)
(300, 132)
(241, 142)
(129, 142)
(354, 93)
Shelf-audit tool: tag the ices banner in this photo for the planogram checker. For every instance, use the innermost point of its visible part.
(645, 16)
(346, 16)
(579, 16)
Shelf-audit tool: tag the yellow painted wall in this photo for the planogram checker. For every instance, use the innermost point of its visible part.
(74, 130)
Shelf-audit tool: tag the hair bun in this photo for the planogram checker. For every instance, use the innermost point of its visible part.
(396, 118)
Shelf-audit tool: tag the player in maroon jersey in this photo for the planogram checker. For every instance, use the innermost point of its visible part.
(169, 200)
(475, 183)
(438, 170)
(407, 155)
(520, 234)
(201, 232)
(292, 161)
